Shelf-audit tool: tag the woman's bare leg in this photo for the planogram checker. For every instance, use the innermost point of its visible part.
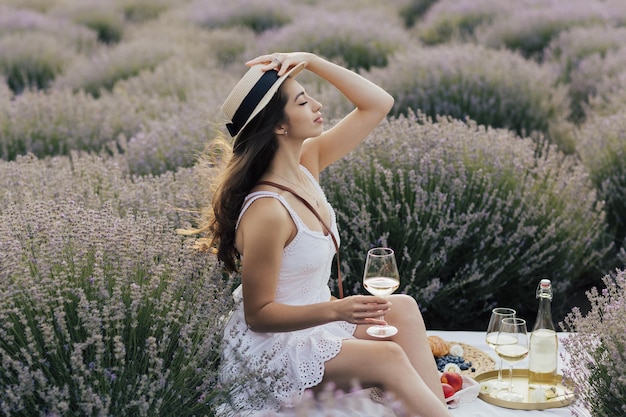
(384, 363)
(412, 337)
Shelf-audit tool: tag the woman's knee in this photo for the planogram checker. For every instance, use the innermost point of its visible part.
(404, 301)
(405, 308)
(392, 352)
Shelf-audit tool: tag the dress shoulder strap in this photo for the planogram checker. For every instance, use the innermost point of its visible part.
(252, 197)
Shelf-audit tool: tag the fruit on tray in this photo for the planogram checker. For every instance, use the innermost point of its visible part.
(448, 391)
(453, 379)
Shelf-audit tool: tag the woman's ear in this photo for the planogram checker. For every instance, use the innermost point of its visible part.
(280, 130)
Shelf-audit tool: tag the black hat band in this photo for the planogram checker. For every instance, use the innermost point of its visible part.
(252, 99)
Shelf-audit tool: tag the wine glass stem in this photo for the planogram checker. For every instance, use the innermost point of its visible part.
(500, 372)
(510, 377)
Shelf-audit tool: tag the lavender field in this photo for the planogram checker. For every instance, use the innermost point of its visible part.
(502, 162)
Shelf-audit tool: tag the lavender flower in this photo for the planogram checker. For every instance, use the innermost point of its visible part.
(596, 361)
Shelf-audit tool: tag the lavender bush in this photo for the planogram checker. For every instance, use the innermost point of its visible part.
(601, 80)
(140, 11)
(414, 10)
(177, 81)
(32, 60)
(169, 144)
(597, 349)
(55, 122)
(360, 39)
(473, 214)
(100, 72)
(258, 16)
(103, 315)
(530, 26)
(101, 17)
(602, 147)
(450, 20)
(579, 53)
(494, 88)
(96, 182)
(22, 20)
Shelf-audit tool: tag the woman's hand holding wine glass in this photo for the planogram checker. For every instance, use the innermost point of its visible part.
(381, 277)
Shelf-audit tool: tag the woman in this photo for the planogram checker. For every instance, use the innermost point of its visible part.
(288, 330)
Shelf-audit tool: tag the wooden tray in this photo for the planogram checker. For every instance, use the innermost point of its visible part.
(564, 396)
(481, 361)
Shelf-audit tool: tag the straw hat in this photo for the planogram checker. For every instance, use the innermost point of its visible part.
(252, 93)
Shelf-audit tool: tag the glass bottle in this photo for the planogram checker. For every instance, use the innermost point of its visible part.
(543, 355)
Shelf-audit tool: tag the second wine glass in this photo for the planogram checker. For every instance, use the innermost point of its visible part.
(512, 346)
(381, 277)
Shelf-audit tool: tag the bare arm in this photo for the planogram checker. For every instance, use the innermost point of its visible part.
(264, 230)
(372, 105)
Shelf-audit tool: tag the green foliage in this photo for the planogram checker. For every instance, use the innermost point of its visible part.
(473, 214)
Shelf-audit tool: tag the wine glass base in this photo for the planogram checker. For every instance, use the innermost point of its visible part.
(499, 384)
(382, 331)
(510, 396)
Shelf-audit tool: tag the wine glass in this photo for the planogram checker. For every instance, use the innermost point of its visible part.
(497, 314)
(381, 277)
(512, 346)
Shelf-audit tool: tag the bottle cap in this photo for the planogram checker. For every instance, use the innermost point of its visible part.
(544, 289)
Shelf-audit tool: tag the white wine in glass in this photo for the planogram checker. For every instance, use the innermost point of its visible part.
(512, 346)
(381, 278)
(497, 314)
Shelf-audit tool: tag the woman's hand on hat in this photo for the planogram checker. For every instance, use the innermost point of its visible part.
(280, 62)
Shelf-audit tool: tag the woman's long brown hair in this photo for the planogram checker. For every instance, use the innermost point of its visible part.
(253, 150)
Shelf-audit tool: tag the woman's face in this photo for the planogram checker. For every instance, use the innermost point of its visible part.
(304, 119)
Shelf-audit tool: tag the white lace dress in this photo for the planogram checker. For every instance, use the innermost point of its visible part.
(278, 367)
